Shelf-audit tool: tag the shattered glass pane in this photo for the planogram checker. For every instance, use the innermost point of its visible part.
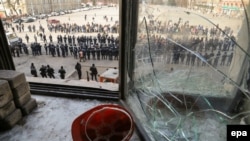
(191, 61)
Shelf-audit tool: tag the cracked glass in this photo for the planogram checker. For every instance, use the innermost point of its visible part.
(191, 68)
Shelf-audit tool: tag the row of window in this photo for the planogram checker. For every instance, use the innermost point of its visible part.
(233, 4)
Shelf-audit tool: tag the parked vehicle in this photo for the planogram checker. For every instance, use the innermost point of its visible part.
(97, 7)
(62, 13)
(53, 21)
(54, 14)
(29, 20)
(19, 20)
(85, 9)
(12, 38)
(67, 11)
(41, 16)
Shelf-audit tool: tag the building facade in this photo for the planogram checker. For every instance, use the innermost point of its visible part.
(233, 4)
(34, 7)
(13, 7)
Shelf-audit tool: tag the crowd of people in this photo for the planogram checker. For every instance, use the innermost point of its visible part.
(187, 44)
(192, 51)
(85, 28)
(104, 43)
(68, 28)
(103, 47)
(92, 69)
(21, 48)
(178, 41)
(181, 27)
(46, 71)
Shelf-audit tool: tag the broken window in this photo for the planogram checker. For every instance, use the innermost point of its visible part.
(190, 69)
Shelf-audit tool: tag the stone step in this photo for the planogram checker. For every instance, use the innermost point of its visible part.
(13, 77)
(20, 90)
(7, 109)
(11, 120)
(21, 101)
(29, 107)
(5, 93)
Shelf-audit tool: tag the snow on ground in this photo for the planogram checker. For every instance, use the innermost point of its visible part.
(51, 120)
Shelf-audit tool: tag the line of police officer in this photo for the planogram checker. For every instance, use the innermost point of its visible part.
(98, 47)
(216, 51)
(19, 48)
(95, 52)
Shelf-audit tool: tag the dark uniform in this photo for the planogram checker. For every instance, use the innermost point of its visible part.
(62, 50)
(44, 38)
(17, 51)
(66, 50)
(46, 48)
(193, 57)
(50, 38)
(229, 60)
(78, 68)
(75, 51)
(93, 52)
(35, 37)
(50, 72)
(94, 72)
(43, 71)
(216, 60)
(62, 72)
(25, 48)
(210, 58)
(182, 56)
(88, 53)
(71, 50)
(58, 51)
(223, 59)
(27, 38)
(98, 53)
(205, 59)
(33, 70)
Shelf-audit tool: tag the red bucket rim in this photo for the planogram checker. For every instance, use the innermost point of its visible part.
(78, 128)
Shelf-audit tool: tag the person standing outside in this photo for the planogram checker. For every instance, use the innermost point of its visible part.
(50, 72)
(44, 38)
(230, 58)
(81, 56)
(43, 71)
(223, 59)
(35, 38)
(94, 72)
(27, 38)
(50, 38)
(33, 70)
(62, 72)
(78, 68)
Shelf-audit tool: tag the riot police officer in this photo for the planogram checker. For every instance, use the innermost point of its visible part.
(62, 72)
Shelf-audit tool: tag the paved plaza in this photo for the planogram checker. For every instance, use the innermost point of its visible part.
(23, 62)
